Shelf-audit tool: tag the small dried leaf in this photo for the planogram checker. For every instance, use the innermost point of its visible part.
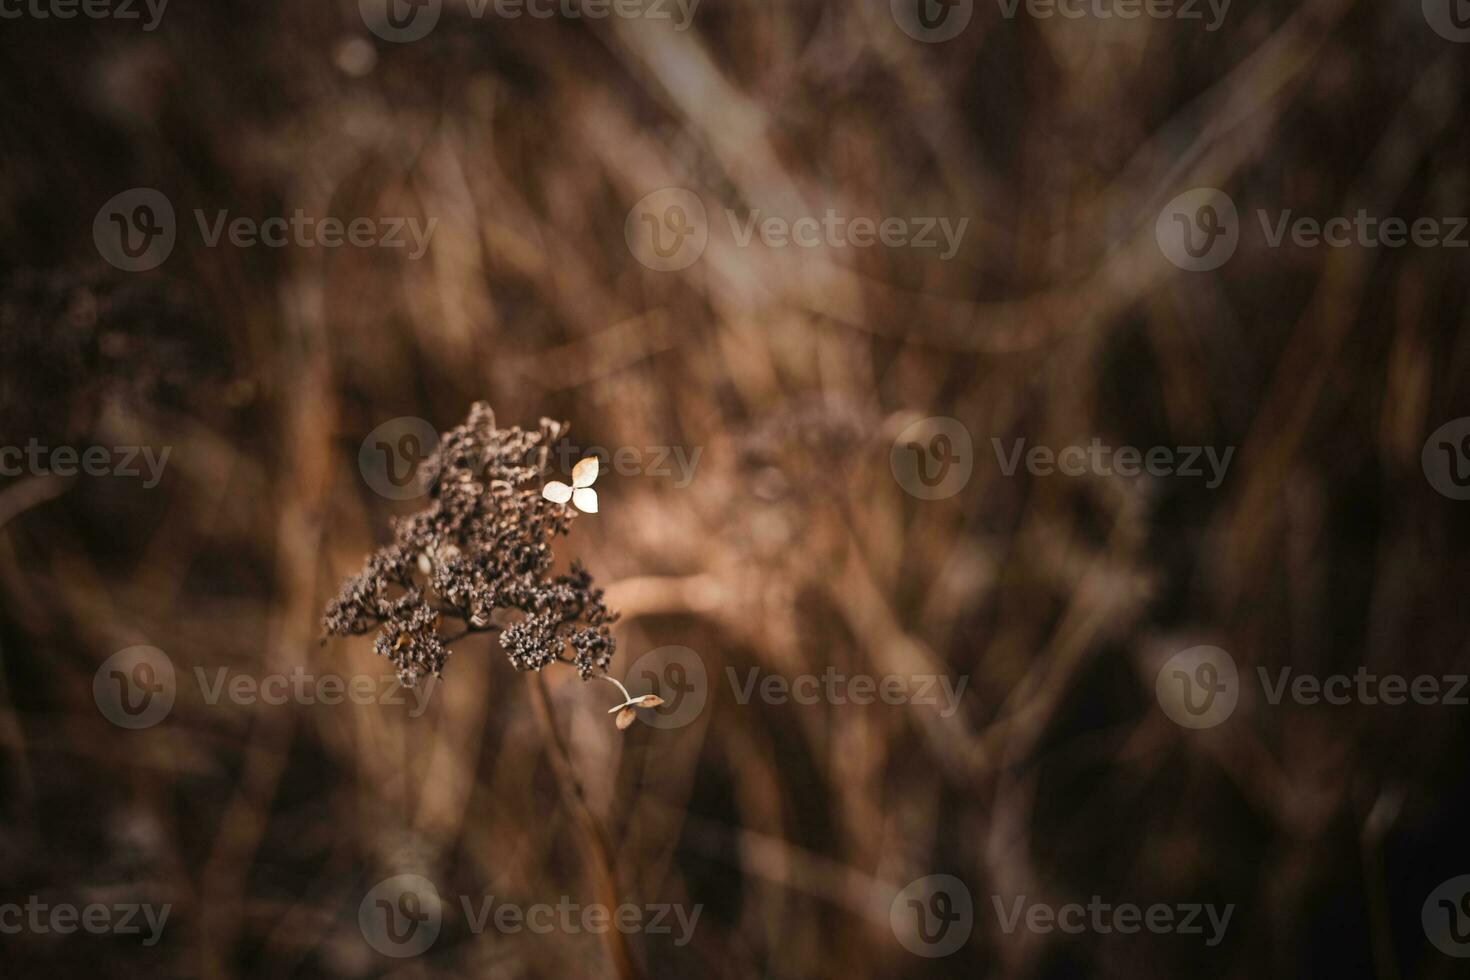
(625, 718)
(585, 500)
(585, 472)
(647, 701)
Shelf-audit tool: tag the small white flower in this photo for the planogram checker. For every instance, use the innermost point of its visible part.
(580, 492)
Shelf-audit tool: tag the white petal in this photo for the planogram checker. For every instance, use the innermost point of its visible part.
(557, 492)
(584, 472)
(585, 499)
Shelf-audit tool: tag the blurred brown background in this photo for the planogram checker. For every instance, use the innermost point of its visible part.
(793, 548)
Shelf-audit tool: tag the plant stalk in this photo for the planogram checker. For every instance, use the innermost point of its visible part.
(596, 850)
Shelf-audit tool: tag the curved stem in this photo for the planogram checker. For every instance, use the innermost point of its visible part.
(593, 839)
(609, 677)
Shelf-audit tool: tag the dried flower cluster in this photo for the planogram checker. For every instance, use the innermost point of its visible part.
(479, 554)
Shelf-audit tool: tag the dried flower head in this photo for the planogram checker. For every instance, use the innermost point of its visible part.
(480, 555)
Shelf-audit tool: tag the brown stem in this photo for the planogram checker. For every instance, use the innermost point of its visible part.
(593, 839)
(469, 629)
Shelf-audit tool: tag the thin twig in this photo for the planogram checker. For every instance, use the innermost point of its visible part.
(593, 839)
